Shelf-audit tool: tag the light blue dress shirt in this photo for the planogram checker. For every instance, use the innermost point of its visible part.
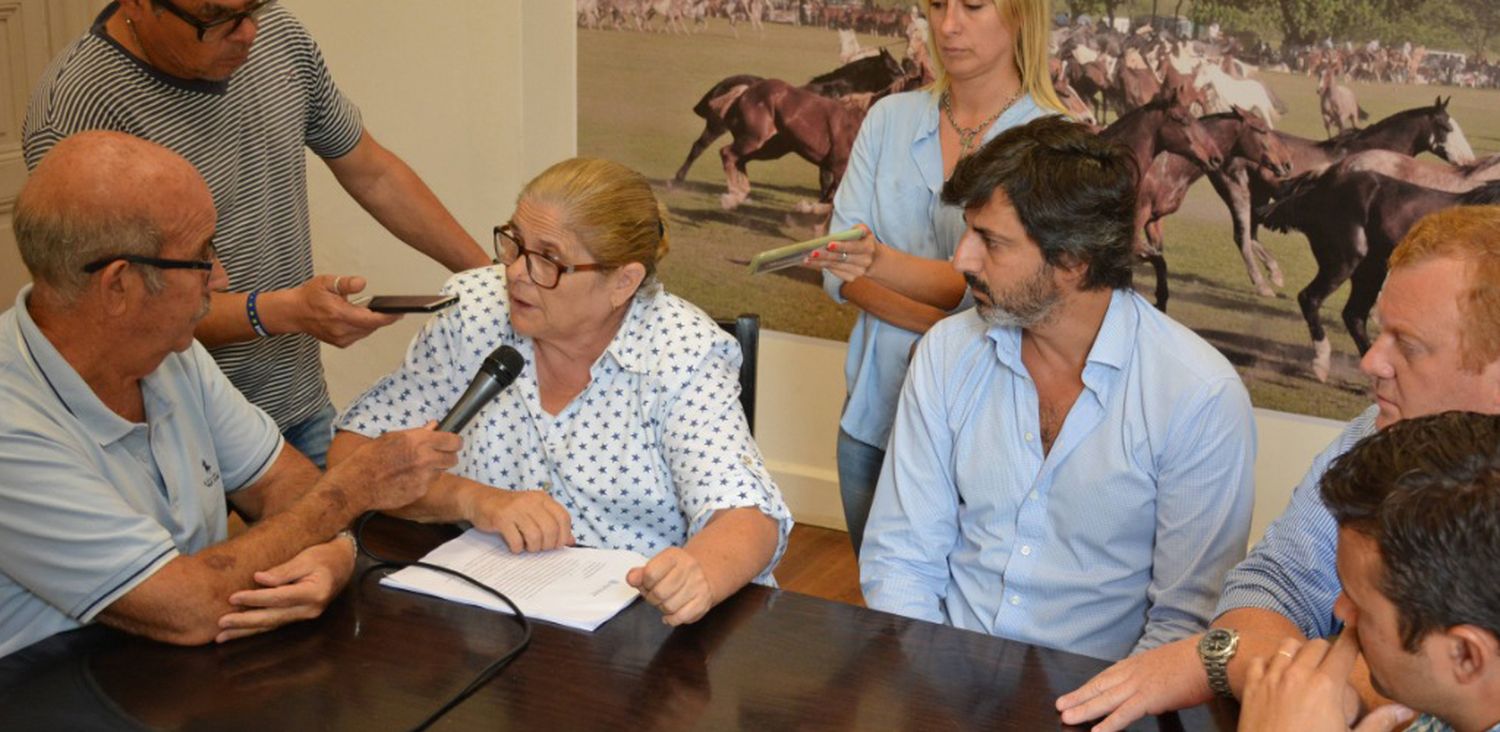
(1115, 541)
(91, 504)
(893, 185)
(1293, 569)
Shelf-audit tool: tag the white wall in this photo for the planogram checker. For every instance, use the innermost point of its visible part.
(480, 95)
(476, 95)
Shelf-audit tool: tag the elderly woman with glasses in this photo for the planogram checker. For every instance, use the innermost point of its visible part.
(623, 431)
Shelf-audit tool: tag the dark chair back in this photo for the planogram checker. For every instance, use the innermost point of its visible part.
(746, 330)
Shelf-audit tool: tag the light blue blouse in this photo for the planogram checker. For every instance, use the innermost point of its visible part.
(893, 185)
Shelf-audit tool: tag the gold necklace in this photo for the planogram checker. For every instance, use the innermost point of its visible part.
(968, 135)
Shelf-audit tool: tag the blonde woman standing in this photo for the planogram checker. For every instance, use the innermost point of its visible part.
(991, 59)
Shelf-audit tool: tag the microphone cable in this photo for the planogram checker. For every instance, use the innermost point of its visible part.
(488, 672)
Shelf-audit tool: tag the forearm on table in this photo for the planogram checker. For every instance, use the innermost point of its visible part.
(891, 306)
(733, 548)
(183, 601)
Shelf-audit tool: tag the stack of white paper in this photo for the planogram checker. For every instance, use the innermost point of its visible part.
(579, 588)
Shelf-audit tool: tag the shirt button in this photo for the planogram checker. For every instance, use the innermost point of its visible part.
(1030, 437)
(1026, 551)
(1015, 599)
(1033, 496)
(546, 485)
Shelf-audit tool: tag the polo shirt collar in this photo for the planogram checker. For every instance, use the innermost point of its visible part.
(101, 422)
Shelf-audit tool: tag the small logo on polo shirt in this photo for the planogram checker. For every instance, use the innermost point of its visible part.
(212, 474)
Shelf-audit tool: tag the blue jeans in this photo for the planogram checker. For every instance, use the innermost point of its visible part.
(859, 471)
(312, 436)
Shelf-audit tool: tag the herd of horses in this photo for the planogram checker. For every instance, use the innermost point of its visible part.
(1354, 194)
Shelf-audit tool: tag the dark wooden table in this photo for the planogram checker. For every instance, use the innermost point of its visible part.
(380, 659)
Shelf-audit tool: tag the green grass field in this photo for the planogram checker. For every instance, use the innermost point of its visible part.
(636, 93)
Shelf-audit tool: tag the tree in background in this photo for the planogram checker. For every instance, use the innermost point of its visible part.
(1468, 25)
(1080, 7)
(1109, 9)
(1473, 22)
(1304, 22)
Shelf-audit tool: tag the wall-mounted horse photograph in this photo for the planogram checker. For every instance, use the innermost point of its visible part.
(1283, 150)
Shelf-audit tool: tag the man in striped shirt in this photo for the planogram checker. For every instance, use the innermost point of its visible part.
(1438, 350)
(239, 88)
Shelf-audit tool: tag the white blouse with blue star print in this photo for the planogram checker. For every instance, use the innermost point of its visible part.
(641, 459)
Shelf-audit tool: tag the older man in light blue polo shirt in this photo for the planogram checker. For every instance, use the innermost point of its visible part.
(121, 437)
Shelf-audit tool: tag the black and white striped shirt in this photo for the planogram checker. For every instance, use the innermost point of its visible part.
(246, 137)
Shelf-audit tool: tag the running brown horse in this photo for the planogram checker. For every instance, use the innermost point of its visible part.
(1352, 221)
(1092, 82)
(773, 118)
(711, 107)
(1341, 110)
(1163, 126)
(1135, 86)
(1246, 188)
(1241, 136)
(1180, 84)
(1078, 109)
(872, 74)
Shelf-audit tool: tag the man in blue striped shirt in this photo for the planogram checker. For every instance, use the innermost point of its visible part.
(1418, 511)
(1068, 466)
(1439, 349)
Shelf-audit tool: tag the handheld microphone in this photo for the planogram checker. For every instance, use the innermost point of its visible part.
(497, 372)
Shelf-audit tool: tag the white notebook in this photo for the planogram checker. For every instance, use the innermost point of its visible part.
(579, 588)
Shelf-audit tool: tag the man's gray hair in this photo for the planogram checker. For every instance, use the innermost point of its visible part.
(55, 245)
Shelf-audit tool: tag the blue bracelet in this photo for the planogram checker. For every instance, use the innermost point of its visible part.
(254, 315)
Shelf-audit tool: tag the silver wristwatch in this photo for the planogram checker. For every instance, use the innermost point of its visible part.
(1215, 649)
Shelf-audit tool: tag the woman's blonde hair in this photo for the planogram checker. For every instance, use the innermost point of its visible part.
(1032, 20)
(610, 207)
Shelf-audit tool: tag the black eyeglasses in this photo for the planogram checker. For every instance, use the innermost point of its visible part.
(202, 265)
(221, 27)
(545, 271)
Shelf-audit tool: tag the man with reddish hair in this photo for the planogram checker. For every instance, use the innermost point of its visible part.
(1438, 350)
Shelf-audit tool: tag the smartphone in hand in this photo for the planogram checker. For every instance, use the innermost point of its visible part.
(411, 303)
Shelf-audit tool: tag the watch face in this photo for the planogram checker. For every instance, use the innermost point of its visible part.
(1217, 641)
